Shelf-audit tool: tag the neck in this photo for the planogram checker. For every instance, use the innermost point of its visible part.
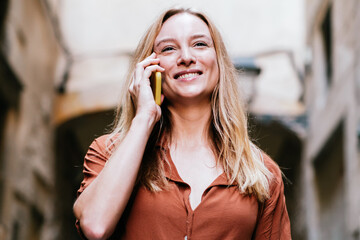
(190, 125)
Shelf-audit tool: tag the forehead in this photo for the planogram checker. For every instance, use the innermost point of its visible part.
(183, 24)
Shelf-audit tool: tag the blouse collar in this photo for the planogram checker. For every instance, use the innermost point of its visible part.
(172, 174)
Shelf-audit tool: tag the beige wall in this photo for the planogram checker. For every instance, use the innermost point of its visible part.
(248, 27)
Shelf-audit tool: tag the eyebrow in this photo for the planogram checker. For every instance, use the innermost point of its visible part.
(192, 37)
(165, 40)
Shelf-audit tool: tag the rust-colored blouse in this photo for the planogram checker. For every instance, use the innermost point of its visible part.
(224, 213)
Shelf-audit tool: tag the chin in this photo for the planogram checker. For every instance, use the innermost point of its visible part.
(190, 97)
(188, 93)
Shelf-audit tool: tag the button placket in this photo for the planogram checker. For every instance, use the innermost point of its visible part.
(189, 211)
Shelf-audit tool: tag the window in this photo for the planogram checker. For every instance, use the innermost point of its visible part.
(330, 185)
(326, 32)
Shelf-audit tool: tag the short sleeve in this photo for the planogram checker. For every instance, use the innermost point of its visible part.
(95, 159)
(273, 220)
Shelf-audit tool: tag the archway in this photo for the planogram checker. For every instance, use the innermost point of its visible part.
(72, 141)
(276, 137)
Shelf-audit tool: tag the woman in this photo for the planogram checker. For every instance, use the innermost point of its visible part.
(187, 169)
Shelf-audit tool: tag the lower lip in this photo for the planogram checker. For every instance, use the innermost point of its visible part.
(188, 79)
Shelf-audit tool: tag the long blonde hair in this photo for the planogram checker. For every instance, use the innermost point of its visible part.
(240, 158)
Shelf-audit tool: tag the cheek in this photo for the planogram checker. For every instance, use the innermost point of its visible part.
(166, 61)
(215, 72)
(210, 60)
(214, 62)
(214, 67)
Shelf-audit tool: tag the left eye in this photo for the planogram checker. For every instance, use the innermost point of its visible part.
(200, 44)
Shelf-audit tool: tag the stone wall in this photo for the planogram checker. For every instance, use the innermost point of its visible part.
(332, 103)
(27, 153)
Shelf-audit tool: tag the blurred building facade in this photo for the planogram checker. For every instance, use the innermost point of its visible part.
(28, 64)
(331, 151)
(62, 63)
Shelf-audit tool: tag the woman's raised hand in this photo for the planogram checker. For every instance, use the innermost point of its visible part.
(102, 203)
(140, 89)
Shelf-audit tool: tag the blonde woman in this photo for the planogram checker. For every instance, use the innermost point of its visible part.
(187, 169)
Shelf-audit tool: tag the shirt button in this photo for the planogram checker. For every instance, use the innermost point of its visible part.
(185, 238)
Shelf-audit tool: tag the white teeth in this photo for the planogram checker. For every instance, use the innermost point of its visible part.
(188, 75)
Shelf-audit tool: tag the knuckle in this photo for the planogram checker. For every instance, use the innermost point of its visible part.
(147, 71)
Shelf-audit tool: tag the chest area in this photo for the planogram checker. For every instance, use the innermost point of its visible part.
(223, 211)
(197, 168)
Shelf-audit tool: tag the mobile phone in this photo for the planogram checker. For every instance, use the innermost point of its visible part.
(156, 87)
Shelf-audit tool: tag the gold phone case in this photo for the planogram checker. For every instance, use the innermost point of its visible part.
(156, 87)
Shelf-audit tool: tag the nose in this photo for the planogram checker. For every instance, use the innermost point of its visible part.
(186, 57)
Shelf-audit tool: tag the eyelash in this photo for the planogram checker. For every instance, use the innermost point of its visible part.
(168, 48)
(197, 44)
(202, 44)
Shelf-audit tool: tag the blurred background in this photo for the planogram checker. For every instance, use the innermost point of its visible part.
(62, 63)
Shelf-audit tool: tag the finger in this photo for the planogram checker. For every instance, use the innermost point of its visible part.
(147, 62)
(140, 67)
(150, 69)
(150, 60)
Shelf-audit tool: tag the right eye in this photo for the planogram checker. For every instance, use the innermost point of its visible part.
(168, 48)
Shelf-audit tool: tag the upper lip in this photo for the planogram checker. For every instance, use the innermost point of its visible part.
(178, 74)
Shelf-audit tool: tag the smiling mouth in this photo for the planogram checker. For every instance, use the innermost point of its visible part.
(187, 75)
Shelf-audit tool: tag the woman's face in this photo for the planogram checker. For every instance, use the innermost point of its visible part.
(186, 50)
